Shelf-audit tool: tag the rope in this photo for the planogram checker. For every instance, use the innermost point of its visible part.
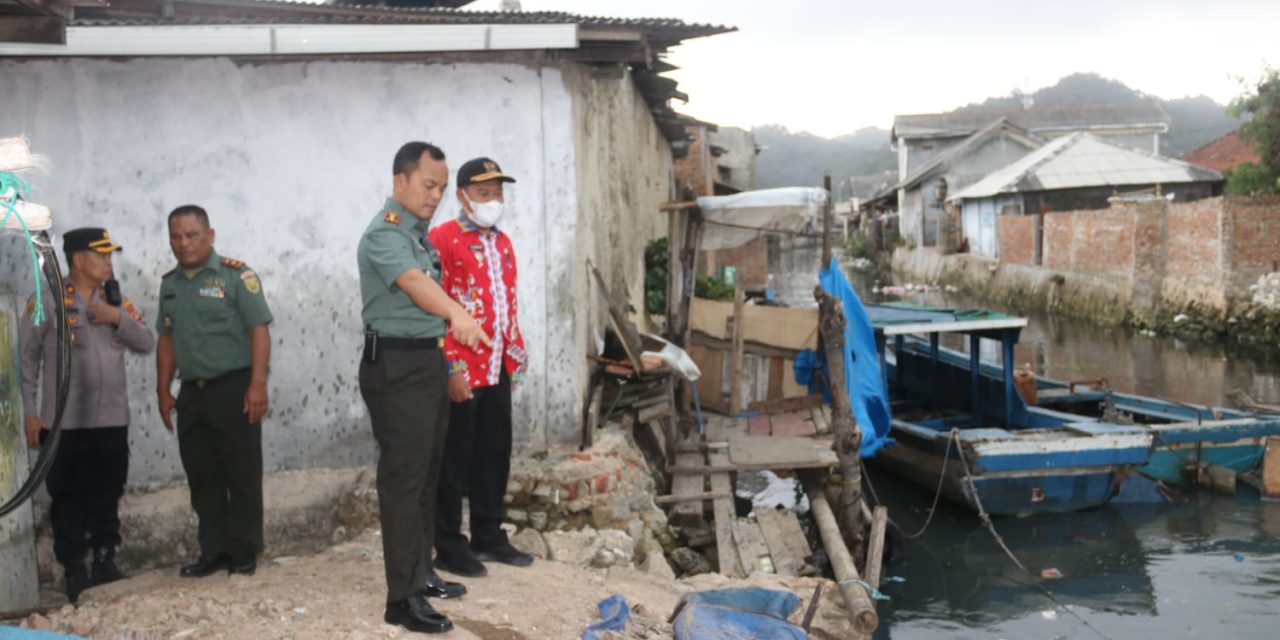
(12, 183)
(871, 591)
(991, 528)
(946, 457)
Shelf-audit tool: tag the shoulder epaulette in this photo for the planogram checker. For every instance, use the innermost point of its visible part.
(169, 273)
(391, 217)
(233, 263)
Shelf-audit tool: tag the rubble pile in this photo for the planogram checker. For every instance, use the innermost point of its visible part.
(1266, 293)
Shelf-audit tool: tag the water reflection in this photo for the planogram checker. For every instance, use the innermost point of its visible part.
(1205, 567)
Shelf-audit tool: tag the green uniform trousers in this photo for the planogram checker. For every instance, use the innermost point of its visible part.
(408, 402)
(222, 454)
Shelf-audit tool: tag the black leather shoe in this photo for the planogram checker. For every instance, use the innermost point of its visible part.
(436, 587)
(242, 564)
(104, 567)
(506, 554)
(75, 579)
(416, 614)
(205, 566)
(460, 562)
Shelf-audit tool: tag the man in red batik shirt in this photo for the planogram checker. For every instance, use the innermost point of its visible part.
(478, 269)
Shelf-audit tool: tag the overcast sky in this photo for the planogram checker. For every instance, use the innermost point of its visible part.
(834, 66)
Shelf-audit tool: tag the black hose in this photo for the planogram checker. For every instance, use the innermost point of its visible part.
(53, 275)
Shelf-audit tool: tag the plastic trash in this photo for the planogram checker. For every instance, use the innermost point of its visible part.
(1050, 574)
(613, 617)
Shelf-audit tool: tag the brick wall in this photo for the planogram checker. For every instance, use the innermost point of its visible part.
(1016, 235)
(1094, 242)
(1194, 240)
(1253, 238)
(1206, 252)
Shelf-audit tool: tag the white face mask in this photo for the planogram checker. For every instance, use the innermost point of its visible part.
(485, 214)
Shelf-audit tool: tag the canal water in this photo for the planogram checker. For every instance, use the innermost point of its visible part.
(1207, 566)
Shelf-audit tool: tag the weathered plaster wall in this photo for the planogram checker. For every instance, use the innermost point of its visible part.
(292, 160)
(624, 173)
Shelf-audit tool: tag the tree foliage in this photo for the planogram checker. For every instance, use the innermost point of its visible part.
(1262, 107)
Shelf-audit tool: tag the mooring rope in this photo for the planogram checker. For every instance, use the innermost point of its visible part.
(991, 528)
(946, 457)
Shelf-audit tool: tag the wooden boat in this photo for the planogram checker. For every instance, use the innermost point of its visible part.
(958, 417)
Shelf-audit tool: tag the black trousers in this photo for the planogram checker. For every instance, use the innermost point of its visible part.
(85, 483)
(408, 407)
(222, 455)
(477, 463)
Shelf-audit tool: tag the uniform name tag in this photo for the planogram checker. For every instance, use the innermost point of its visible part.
(212, 292)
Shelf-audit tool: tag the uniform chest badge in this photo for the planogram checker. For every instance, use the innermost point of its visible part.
(212, 292)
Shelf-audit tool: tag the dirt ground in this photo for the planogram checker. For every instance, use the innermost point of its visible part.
(338, 593)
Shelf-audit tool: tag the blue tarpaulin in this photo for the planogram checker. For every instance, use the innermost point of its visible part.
(867, 395)
(613, 617)
(737, 614)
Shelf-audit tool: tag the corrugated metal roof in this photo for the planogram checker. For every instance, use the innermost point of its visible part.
(1000, 126)
(1079, 116)
(209, 12)
(1083, 160)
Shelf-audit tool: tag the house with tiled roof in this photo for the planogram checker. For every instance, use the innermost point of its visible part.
(281, 119)
(1224, 153)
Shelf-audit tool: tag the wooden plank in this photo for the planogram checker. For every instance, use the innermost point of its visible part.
(687, 514)
(786, 560)
(875, 549)
(779, 452)
(788, 328)
(752, 549)
(761, 458)
(726, 550)
(821, 424)
(693, 497)
(702, 447)
(622, 326)
(735, 355)
(759, 426)
(678, 206)
(711, 362)
(777, 374)
(1271, 469)
(33, 29)
(793, 423)
(786, 404)
(748, 346)
(701, 469)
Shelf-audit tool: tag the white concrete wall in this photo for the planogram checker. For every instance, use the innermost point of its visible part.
(292, 160)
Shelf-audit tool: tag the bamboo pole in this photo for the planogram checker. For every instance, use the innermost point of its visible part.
(735, 355)
(847, 439)
(826, 221)
(856, 599)
(875, 549)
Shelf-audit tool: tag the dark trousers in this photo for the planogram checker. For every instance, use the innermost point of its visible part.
(85, 483)
(477, 462)
(222, 455)
(408, 407)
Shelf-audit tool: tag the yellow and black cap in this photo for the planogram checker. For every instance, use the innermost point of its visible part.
(480, 170)
(88, 239)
